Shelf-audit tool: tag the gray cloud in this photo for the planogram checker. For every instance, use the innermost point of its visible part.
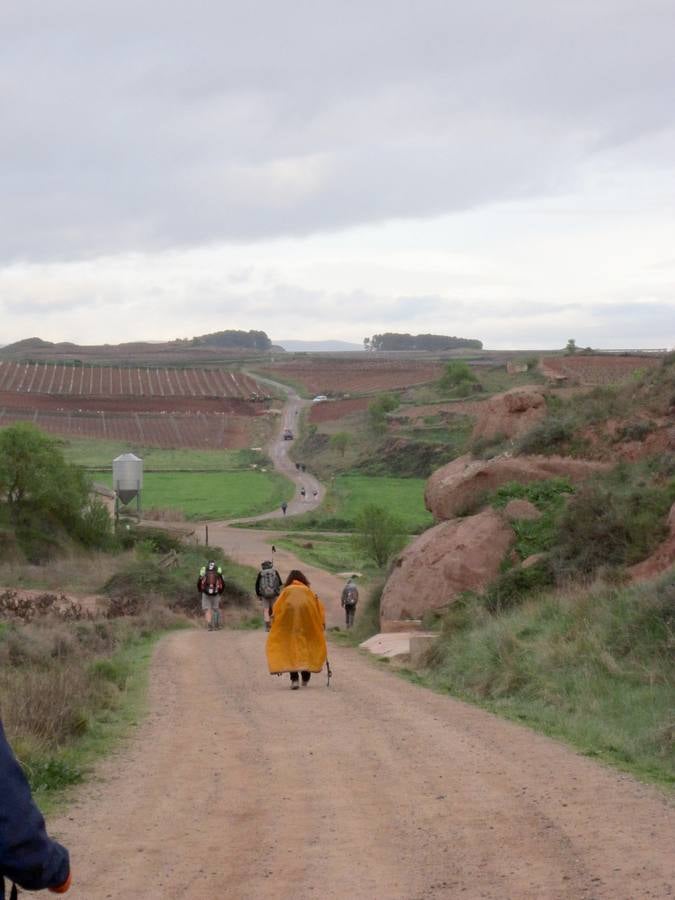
(145, 125)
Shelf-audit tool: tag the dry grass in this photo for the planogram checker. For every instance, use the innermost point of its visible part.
(80, 573)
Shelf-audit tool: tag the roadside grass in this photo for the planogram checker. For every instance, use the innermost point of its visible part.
(592, 666)
(64, 710)
(349, 494)
(79, 573)
(70, 689)
(214, 495)
(91, 454)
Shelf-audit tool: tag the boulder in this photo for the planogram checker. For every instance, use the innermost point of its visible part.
(461, 555)
(521, 509)
(463, 483)
(510, 414)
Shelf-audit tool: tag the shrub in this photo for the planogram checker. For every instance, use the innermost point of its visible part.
(512, 586)
(608, 525)
(456, 373)
(545, 436)
(378, 534)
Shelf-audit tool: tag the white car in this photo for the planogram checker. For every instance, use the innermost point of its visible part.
(320, 398)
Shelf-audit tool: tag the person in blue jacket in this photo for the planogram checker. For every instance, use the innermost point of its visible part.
(28, 856)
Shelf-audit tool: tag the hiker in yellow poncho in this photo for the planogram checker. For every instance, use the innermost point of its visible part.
(296, 642)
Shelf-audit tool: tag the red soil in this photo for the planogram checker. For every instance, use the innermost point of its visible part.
(337, 409)
(213, 431)
(112, 381)
(151, 406)
(333, 376)
(596, 370)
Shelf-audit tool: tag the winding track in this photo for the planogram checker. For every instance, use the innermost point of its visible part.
(235, 787)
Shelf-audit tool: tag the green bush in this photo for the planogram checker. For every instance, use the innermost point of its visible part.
(378, 534)
(608, 524)
(458, 376)
(547, 435)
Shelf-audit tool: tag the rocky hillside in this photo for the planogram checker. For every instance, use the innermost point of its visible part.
(596, 497)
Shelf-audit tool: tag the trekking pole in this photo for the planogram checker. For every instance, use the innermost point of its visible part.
(329, 672)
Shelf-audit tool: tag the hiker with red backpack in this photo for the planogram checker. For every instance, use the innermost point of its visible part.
(211, 585)
(267, 588)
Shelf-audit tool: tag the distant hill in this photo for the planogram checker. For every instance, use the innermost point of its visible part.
(318, 346)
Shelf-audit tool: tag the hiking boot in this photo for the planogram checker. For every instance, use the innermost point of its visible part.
(295, 686)
(305, 679)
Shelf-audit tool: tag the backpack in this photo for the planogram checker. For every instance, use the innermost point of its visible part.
(209, 583)
(268, 587)
(351, 595)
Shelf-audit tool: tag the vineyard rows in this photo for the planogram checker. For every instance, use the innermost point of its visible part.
(206, 431)
(596, 370)
(110, 381)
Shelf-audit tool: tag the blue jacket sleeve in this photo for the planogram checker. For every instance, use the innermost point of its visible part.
(27, 855)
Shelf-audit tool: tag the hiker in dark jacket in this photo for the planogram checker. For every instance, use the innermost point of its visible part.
(28, 856)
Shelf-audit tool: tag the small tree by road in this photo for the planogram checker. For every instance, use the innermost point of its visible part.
(340, 442)
(378, 534)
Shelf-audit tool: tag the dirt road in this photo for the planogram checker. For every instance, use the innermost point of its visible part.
(236, 787)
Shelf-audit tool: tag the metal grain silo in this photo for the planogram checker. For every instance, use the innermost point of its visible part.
(128, 477)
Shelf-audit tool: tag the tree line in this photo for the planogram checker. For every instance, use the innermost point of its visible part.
(394, 341)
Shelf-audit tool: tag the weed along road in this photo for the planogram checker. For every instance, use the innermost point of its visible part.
(236, 787)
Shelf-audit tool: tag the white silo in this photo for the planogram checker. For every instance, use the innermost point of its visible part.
(128, 478)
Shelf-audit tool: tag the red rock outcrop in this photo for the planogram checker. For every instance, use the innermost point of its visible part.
(510, 414)
(462, 483)
(461, 555)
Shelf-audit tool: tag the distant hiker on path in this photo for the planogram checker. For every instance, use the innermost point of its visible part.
(267, 587)
(284, 507)
(296, 643)
(28, 856)
(349, 599)
(211, 585)
(315, 493)
(303, 492)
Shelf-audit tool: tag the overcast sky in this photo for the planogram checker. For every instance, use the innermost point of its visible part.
(329, 170)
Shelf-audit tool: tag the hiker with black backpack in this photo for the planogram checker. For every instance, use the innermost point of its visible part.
(349, 599)
(267, 588)
(211, 585)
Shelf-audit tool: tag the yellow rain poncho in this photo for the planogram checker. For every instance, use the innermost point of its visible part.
(296, 641)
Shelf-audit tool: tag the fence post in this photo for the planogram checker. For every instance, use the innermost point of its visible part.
(206, 528)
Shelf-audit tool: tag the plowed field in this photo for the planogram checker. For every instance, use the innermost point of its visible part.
(597, 370)
(354, 376)
(337, 409)
(114, 381)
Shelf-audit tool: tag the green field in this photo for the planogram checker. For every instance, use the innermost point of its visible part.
(213, 495)
(100, 454)
(349, 494)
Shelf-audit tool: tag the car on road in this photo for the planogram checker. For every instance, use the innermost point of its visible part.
(320, 398)
(288, 434)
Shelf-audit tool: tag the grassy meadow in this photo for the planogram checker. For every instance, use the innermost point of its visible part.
(213, 495)
(348, 494)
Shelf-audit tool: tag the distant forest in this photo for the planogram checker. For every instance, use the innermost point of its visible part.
(392, 341)
(251, 340)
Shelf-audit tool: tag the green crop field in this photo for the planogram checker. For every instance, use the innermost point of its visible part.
(213, 495)
(100, 454)
(404, 497)
(349, 494)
